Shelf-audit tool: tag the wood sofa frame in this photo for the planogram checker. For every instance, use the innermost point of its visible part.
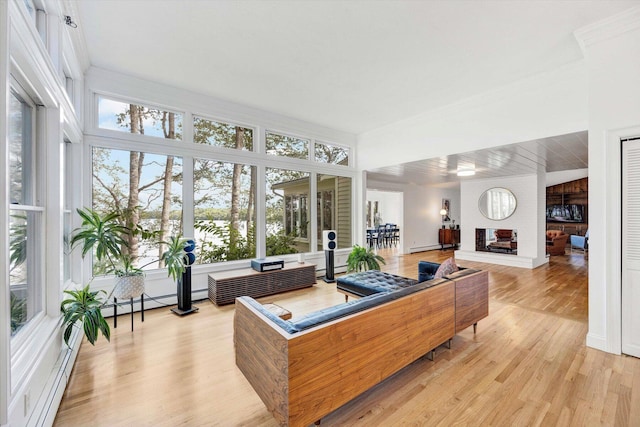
(304, 376)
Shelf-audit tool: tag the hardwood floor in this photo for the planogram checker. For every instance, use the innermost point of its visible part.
(527, 365)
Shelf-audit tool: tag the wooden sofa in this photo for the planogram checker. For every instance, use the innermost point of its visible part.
(304, 375)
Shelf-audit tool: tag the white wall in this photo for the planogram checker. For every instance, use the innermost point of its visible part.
(544, 105)
(611, 48)
(560, 177)
(530, 196)
(389, 205)
(422, 216)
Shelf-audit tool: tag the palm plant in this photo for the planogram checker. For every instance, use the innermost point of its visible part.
(106, 237)
(84, 305)
(175, 258)
(362, 259)
(104, 234)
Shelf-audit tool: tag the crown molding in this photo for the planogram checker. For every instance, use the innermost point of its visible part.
(608, 28)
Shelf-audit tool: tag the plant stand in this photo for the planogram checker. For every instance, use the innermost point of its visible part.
(115, 311)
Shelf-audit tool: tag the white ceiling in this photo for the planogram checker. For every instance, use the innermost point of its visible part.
(347, 64)
(352, 65)
(554, 154)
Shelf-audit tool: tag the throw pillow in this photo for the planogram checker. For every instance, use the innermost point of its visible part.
(447, 267)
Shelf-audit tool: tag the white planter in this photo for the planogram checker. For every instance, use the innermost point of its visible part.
(129, 287)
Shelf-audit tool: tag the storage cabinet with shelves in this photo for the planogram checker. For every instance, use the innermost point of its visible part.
(448, 236)
(569, 194)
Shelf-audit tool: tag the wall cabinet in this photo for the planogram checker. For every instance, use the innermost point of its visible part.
(448, 236)
(568, 194)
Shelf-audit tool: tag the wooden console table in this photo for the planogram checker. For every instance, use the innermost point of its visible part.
(225, 286)
(448, 236)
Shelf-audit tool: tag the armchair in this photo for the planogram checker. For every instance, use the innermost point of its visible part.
(503, 235)
(580, 242)
(556, 242)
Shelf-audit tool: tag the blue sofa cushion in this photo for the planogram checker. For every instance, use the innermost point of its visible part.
(427, 270)
(332, 313)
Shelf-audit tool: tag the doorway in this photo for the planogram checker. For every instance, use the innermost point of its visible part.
(631, 246)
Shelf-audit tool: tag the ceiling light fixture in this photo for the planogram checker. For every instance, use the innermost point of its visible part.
(466, 172)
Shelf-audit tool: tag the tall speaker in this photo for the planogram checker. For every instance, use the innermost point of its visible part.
(329, 243)
(184, 282)
(329, 240)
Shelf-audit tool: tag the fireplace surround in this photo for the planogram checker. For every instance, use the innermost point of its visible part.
(497, 240)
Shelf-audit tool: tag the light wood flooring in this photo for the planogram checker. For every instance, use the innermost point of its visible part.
(527, 365)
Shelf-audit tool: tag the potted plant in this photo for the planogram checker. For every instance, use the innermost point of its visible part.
(85, 306)
(107, 237)
(362, 259)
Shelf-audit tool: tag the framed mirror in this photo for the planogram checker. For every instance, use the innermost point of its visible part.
(497, 203)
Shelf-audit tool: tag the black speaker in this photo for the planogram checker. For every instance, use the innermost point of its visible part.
(329, 244)
(190, 252)
(184, 282)
(328, 258)
(329, 240)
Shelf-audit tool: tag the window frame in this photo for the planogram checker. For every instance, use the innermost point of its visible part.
(35, 267)
(112, 86)
(140, 136)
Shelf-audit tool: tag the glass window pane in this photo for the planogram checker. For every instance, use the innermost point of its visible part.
(20, 151)
(224, 209)
(25, 283)
(140, 119)
(287, 207)
(334, 208)
(287, 146)
(147, 190)
(332, 154)
(67, 210)
(222, 134)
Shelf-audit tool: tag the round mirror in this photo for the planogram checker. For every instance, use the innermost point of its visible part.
(497, 203)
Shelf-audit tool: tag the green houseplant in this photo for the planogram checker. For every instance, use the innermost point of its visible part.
(84, 305)
(106, 236)
(362, 259)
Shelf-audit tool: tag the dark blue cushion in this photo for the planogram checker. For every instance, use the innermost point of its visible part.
(427, 270)
(372, 282)
(331, 313)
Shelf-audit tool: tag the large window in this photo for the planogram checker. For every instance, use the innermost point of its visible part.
(67, 210)
(146, 189)
(287, 146)
(25, 214)
(327, 153)
(287, 204)
(217, 176)
(224, 210)
(138, 119)
(221, 134)
(334, 208)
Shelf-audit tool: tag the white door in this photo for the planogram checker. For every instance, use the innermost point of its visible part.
(631, 247)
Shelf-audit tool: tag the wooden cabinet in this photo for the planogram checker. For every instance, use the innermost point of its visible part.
(225, 286)
(448, 236)
(567, 194)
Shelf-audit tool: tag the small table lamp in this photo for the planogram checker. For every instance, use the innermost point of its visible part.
(443, 212)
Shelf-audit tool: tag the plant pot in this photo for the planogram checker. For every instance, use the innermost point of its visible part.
(129, 287)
